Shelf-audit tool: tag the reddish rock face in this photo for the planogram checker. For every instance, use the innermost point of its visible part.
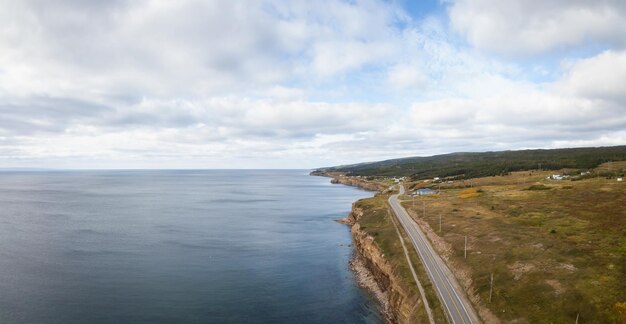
(400, 304)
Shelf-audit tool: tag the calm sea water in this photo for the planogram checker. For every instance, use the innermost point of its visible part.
(177, 246)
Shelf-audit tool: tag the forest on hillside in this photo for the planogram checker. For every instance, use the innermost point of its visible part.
(481, 164)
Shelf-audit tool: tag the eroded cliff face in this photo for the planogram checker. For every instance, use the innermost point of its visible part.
(400, 304)
(363, 184)
(351, 181)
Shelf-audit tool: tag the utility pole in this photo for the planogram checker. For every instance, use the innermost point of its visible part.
(491, 287)
(465, 253)
(413, 195)
(577, 314)
(414, 185)
(439, 223)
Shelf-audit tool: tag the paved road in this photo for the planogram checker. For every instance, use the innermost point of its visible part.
(451, 295)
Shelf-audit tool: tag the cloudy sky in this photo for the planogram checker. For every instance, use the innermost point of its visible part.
(301, 84)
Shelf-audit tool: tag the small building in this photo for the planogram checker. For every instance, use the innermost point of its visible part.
(558, 177)
(620, 179)
(424, 192)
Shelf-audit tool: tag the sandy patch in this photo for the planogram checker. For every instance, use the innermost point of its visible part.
(519, 269)
(567, 266)
(556, 285)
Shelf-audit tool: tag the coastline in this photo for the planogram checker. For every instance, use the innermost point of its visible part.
(340, 178)
(358, 262)
(365, 279)
(372, 270)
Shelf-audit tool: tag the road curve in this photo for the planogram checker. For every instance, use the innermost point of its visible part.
(456, 305)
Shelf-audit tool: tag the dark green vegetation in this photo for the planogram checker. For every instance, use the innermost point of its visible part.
(474, 165)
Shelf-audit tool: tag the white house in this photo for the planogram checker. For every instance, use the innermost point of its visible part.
(620, 179)
(424, 192)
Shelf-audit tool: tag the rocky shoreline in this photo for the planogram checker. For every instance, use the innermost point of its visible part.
(372, 270)
(397, 303)
(366, 279)
(339, 178)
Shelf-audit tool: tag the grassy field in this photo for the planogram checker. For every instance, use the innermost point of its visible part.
(556, 249)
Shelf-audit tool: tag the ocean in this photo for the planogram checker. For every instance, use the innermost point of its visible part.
(197, 246)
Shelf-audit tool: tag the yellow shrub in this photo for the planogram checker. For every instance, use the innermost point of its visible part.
(621, 311)
(469, 193)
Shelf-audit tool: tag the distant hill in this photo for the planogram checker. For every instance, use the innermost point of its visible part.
(482, 164)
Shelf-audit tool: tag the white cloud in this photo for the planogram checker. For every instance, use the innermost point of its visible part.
(404, 76)
(185, 48)
(585, 106)
(598, 77)
(334, 57)
(273, 84)
(522, 27)
(218, 128)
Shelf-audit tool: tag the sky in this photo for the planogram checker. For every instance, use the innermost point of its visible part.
(304, 84)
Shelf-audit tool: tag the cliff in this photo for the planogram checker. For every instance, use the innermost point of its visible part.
(378, 269)
(399, 304)
(339, 178)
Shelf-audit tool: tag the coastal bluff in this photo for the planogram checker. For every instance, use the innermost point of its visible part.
(372, 267)
(399, 303)
(339, 178)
